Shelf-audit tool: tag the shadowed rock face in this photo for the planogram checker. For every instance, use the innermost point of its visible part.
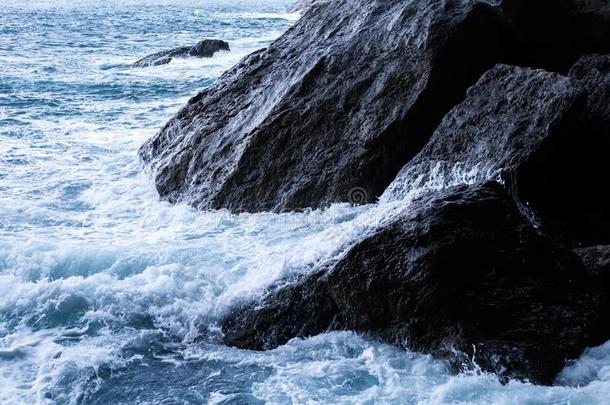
(554, 33)
(204, 49)
(566, 184)
(505, 119)
(597, 260)
(349, 95)
(465, 266)
(544, 134)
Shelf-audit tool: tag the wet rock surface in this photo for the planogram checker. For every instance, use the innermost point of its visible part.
(342, 100)
(302, 6)
(499, 251)
(203, 49)
(462, 272)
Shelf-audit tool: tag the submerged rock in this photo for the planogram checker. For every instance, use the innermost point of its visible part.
(350, 94)
(203, 49)
(466, 271)
(462, 275)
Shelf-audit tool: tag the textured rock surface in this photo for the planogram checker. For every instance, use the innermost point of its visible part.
(303, 5)
(596, 259)
(464, 268)
(350, 94)
(593, 71)
(203, 49)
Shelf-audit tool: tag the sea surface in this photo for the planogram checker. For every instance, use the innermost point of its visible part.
(109, 295)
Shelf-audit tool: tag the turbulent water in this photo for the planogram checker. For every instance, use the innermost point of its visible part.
(108, 295)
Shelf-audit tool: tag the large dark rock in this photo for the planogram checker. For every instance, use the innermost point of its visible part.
(466, 267)
(462, 272)
(203, 49)
(343, 99)
(350, 94)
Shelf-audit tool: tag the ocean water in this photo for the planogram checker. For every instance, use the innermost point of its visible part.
(109, 295)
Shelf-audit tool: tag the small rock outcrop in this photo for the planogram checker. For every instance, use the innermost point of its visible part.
(203, 49)
(466, 269)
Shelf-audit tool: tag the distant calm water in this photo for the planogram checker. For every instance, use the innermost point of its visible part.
(108, 295)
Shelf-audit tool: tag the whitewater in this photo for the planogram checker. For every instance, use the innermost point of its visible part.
(110, 295)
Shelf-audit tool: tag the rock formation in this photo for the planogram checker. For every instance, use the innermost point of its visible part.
(486, 121)
(203, 49)
(508, 116)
